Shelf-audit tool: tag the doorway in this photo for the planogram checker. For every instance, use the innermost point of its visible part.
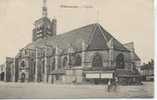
(2, 76)
(23, 77)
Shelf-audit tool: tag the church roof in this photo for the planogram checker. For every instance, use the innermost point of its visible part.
(136, 57)
(94, 36)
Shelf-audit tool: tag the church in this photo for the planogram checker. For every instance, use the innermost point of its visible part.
(86, 55)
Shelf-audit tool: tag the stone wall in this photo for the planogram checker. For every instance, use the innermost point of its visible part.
(106, 56)
(73, 76)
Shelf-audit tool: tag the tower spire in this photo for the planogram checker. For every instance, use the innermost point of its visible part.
(44, 9)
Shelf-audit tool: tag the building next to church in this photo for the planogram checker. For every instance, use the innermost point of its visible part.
(88, 54)
(2, 72)
(147, 71)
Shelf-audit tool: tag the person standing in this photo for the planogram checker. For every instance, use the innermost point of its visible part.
(109, 85)
(115, 84)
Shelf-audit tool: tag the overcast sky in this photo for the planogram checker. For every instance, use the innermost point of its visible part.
(126, 20)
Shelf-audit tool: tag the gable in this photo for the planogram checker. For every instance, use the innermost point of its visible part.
(98, 41)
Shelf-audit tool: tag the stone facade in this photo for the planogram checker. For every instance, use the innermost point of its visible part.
(65, 58)
(43, 65)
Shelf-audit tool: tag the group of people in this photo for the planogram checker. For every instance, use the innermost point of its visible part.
(112, 85)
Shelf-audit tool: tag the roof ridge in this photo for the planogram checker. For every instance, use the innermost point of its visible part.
(78, 28)
(115, 40)
(91, 35)
(102, 32)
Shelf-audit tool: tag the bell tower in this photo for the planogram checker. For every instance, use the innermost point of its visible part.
(44, 27)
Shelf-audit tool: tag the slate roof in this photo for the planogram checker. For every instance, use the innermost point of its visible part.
(136, 57)
(75, 37)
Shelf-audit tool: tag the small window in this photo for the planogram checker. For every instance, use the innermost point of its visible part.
(65, 60)
(23, 64)
(25, 52)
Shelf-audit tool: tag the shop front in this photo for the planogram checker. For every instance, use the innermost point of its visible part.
(98, 77)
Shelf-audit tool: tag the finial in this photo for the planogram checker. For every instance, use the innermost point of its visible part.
(44, 9)
(44, 3)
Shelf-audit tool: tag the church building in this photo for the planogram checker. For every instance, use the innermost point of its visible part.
(86, 55)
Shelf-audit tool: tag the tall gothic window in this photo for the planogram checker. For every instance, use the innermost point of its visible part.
(43, 65)
(71, 60)
(120, 61)
(53, 64)
(65, 60)
(97, 60)
(78, 60)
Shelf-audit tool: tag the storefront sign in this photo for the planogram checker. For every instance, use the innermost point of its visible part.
(100, 75)
(92, 76)
(106, 75)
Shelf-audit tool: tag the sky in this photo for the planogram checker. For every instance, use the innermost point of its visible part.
(126, 20)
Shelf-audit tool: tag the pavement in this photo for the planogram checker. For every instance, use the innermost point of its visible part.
(44, 90)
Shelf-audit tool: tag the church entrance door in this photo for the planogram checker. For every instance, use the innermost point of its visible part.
(2, 76)
(23, 77)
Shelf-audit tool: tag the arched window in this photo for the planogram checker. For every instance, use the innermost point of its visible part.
(23, 64)
(78, 60)
(71, 60)
(97, 60)
(120, 61)
(65, 60)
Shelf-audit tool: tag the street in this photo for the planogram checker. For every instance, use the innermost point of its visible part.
(41, 90)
